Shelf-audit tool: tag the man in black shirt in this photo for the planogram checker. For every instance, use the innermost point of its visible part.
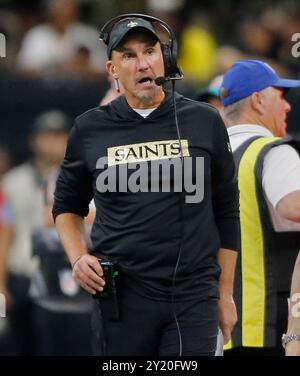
(169, 244)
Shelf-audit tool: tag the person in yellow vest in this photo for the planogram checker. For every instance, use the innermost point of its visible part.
(291, 340)
(268, 170)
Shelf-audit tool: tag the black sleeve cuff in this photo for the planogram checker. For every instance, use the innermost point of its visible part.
(230, 234)
(57, 211)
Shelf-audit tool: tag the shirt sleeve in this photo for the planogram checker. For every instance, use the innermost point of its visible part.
(33, 53)
(281, 173)
(225, 193)
(74, 186)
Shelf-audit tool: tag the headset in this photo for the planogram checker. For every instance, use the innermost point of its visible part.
(172, 73)
(169, 50)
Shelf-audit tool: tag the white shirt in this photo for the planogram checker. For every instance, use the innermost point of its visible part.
(281, 171)
(144, 112)
(43, 46)
(25, 195)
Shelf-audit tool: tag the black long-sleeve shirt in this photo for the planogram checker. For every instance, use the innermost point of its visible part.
(144, 231)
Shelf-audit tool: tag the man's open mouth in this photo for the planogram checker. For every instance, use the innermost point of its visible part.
(145, 80)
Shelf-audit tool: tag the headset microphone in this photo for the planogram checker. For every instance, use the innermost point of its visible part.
(162, 80)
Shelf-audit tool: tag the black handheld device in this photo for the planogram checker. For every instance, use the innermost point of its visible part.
(108, 298)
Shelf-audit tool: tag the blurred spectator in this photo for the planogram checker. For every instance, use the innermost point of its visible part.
(226, 56)
(197, 50)
(169, 11)
(6, 215)
(63, 47)
(62, 310)
(113, 92)
(211, 95)
(197, 43)
(23, 190)
(5, 218)
(5, 161)
(290, 26)
(164, 6)
(6, 234)
(255, 39)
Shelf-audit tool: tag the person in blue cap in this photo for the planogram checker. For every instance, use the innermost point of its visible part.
(268, 170)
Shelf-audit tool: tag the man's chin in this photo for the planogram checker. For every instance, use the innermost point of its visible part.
(282, 132)
(146, 95)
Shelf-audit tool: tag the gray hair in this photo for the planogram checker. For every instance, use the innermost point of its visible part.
(235, 110)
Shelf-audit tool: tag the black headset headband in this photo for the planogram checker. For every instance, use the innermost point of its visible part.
(169, 51)
(106, 29)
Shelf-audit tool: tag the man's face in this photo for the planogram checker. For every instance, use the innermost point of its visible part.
(63, 12)
(50, 147)
(276, 109)
(136, 64)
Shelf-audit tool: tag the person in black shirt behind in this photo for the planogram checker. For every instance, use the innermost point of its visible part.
(174, 248)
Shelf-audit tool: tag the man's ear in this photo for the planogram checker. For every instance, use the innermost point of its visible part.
(257, 103)
(111, 69)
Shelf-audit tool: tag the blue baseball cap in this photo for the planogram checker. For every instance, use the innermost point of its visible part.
(249, 76)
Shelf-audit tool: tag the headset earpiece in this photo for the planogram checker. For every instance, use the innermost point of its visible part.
(104, 37)
(170, 60)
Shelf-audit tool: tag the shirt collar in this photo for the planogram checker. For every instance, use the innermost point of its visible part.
(249, 129)
(124, 111)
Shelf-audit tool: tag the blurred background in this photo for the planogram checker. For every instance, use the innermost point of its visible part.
(54, 59)
(54, 70)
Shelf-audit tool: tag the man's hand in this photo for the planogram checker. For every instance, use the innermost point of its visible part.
(227, 316)
(292, 348)
(88, 273)
(227, 311)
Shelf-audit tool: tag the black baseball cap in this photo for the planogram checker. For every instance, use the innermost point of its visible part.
(121, 28)
(51, 121)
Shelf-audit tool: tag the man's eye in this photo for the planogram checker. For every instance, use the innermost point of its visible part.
(150, 51)
(127, 56)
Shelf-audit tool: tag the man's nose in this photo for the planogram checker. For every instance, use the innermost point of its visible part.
(142, 63)
(287, 106)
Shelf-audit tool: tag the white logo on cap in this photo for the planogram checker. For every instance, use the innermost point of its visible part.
(132, 24)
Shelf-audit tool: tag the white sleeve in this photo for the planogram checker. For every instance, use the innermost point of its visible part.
(281, 173)
(23, 57)
(89, 37)
(34, 50)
